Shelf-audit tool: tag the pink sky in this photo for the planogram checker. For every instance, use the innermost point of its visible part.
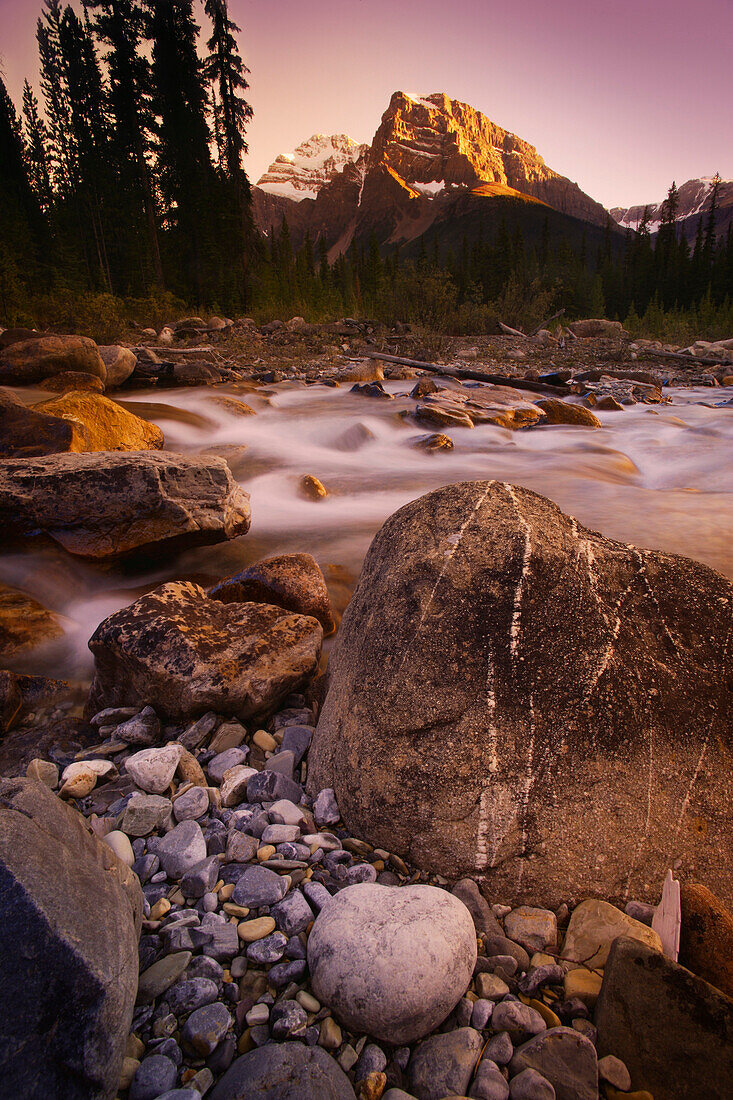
(621, 96)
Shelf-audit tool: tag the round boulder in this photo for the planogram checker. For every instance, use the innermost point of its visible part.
(392, 961)
(284, 1071)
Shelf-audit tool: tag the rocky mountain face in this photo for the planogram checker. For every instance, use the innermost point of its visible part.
(695, 198)
(425, 154)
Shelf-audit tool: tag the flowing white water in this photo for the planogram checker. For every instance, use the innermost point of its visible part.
(658, 476)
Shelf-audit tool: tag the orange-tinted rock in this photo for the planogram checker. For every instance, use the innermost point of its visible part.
(185, 654)
(292, 581)
(72, 380)
(24, 623)
(103, 424)
(562, 412)
(30, 361)
(26, 432)
(311, 488)
(706, 937)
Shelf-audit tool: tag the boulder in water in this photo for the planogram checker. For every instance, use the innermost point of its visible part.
(104, 505)
(103, 425)
(120, 363)
(28, 433)
(513, 695)
(292, 581)
(185, 654)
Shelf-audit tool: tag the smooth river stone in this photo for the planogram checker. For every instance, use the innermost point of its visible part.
(392, 961)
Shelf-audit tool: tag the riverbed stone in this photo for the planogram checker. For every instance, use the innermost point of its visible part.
(29, 361)
(102, 424)
(566, 1058)
(530, 1085)
(520, 1021)
(593, 927)
(191, 804)
(535, 929)
(206, 1027)
(181, 849)
(104, 504)
(145, 813)
(443, 1064)
(259, 886)
(284, 1071)
(665, 1024)
(392, 961)
(292, 581)
(120, 363)
(61, 892)
(247, 657)
(153, 769)
(496, 581)
(155, 1075)
(562, 412)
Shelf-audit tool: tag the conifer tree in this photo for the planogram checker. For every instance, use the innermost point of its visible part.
(55, 94)
(20, 222)
(36, 149)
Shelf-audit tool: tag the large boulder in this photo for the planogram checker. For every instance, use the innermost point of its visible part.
(120, 363)
(292, 581)
(103, 425)
(104, 505)
(597, 326)
(284, 1071)
(27, 432)
(706, 936)
(184, 654)
(70, 916)
(673, 1031)
(513, 695)
(29, 361)
(392, 961)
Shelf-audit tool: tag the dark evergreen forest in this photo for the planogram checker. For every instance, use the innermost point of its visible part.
(124, 195)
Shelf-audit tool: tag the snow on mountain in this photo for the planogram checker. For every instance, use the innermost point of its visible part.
(694, 199)
(301, 174)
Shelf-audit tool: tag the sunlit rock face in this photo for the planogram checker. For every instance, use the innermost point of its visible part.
(515, 696)
(426, 153)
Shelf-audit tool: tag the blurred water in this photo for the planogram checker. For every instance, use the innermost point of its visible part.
(657, 476)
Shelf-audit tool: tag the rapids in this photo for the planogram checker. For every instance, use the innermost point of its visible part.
(658, 476)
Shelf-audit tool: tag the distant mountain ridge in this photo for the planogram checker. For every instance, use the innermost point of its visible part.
(695, 198)
(426, 154)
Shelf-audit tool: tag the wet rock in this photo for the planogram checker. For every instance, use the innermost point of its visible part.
(435, 441)
(292, 581)
(103, 505)
(594, 926)
(247, 657)
(706, 939)
(566, 1058)
(27, 432)
(311, 488)
(24, 623)
(665, 1024)
(498, 582)
(120, 363)
(392, 962)
(29, 361)
(103, 425)
(443, 1064)
(61, 892)
(562, 412)
(284, 1071)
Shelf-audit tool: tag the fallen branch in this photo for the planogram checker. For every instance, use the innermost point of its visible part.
(472, 375)
(204, 349)
(546, 323)
(656, 354)
(512, 331)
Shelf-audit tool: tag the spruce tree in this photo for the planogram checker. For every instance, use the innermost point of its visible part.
(55, 93)
(20, 223)
(36, 148)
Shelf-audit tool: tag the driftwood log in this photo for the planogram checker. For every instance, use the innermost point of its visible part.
(655, 353)
(472, 375)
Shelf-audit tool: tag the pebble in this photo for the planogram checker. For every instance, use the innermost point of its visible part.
(200, 878)
(583, 984)
(297, 739)
(500, 1048)
(614, 1071)
(161, 976)
(481, 1014)
(240, 847)
(308, 1001)
(229, 735)
(80, 784)
(489, 1082)
(258, 1014)
(259, 886)
(191, 804)
(181, 849)
(293, 914)
(206, 1027)
(142, 729)
(264, 741)
(330, 1037)
(531, 1085)
(156, 1074)
(594, 926)
(491, 986)
(268, 786)
(144, 813)
(534, 929)
(120, 845)
(521, 1021)
(185, 996)
(234, 784)
(325, 808)
(286, 1018)
(269, 949)
(251, 930)
(280, 834)
(223, 761)
(43, 771)
(442, 1065)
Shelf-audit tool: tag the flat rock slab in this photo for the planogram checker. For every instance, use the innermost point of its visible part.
(104, 505)
(186, 654)
(70, 916)
(667, 1026)
(503, 675)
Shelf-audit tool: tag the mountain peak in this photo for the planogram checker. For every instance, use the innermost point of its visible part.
(301, 174)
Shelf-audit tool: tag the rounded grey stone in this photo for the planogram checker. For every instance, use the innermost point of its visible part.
(284, 1071)
(154, 1075)
(392, 961)
(531, 1085)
